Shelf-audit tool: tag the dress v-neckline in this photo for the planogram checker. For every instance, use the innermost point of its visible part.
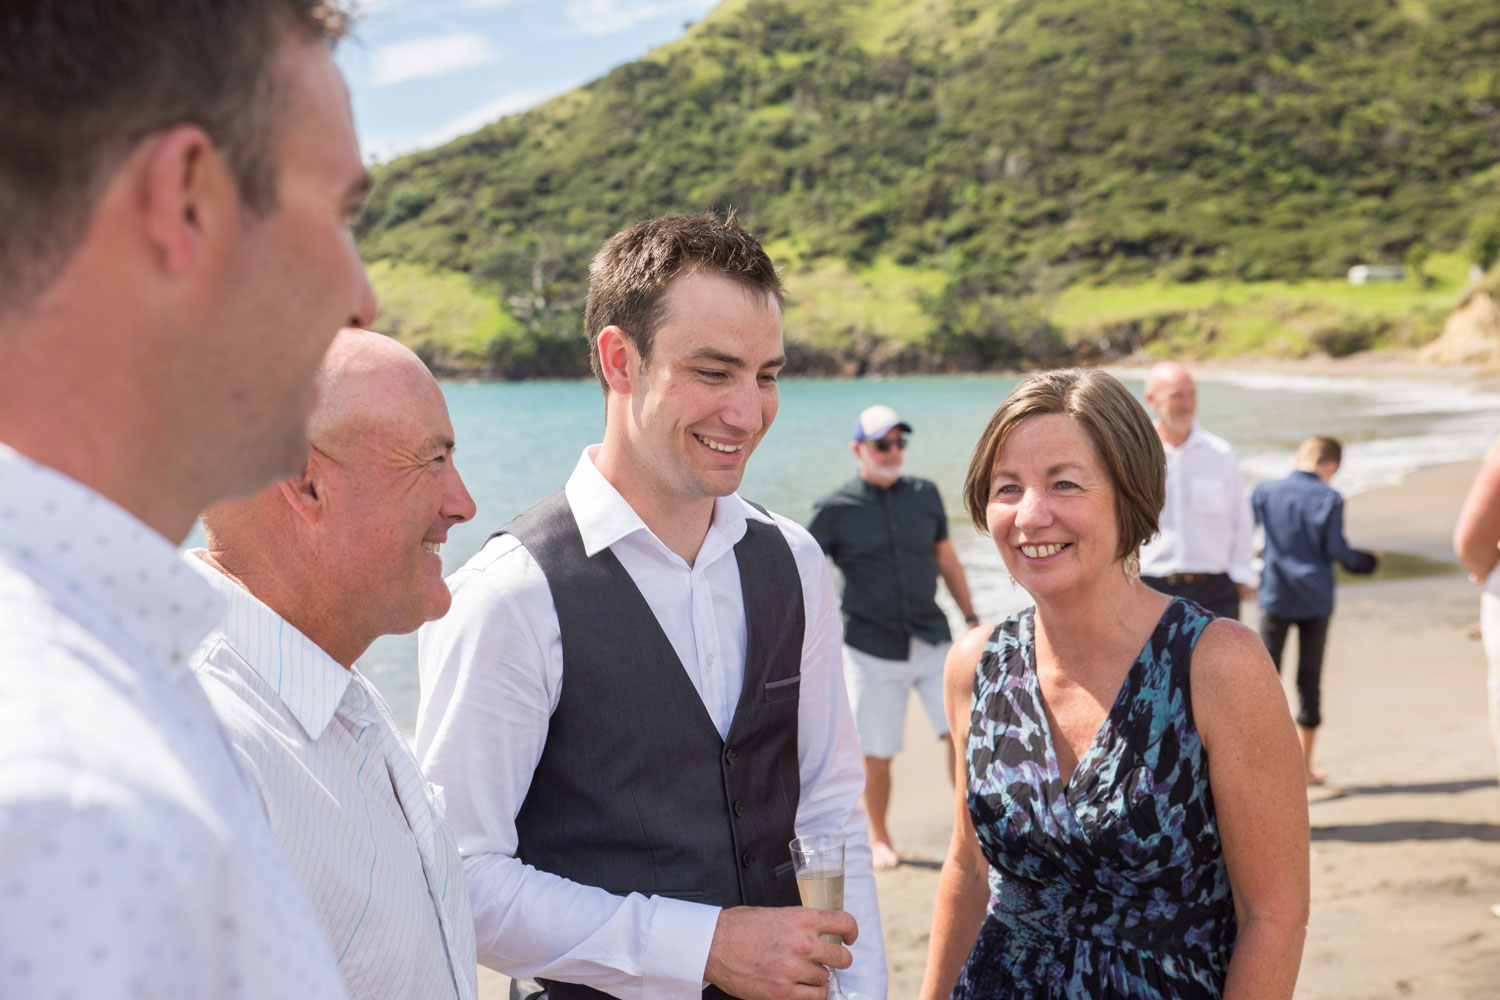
(1034, 683)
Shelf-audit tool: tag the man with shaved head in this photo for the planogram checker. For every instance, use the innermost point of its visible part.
(1204, 548)
(315, 568)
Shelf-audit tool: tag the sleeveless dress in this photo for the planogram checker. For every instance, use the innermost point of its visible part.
(1113, 886)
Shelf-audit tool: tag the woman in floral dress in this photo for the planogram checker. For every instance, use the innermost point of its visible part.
(1133, 821)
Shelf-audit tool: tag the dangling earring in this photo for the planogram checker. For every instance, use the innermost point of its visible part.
(1133, 566)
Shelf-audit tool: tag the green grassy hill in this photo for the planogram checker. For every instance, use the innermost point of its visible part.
(948, 183)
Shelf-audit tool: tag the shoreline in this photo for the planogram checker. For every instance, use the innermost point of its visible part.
(1391, 363)
(1415, 515)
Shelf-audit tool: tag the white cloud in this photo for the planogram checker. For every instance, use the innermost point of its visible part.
(434, 56)
(428, 7)
(606, 17)
(399, 8)
(389, 147)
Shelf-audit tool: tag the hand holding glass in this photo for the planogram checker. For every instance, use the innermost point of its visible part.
(818, 862)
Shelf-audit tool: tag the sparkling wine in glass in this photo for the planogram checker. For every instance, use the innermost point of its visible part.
(818, 863)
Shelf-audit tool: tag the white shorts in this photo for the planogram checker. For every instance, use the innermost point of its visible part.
(878, 691)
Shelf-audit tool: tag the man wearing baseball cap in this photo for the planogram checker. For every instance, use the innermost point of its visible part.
(888, 535)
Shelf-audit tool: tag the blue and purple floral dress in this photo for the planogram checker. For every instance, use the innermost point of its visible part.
(1113, 885)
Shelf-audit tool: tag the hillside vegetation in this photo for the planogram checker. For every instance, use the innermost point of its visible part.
(944, 181)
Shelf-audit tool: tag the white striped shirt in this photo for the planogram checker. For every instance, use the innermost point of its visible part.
(134, 860)
(362, 829)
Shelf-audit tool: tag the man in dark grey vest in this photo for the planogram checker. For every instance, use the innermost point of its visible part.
(637, 697)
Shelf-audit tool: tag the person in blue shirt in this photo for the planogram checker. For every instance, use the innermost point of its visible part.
(1303, 518)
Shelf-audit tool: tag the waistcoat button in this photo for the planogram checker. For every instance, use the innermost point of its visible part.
(739, 808)
(747, 859)
(729, 755)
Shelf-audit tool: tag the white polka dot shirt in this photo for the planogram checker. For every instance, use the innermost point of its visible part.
(347, 804)
(134, 859)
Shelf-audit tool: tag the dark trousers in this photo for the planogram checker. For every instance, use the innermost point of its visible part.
(1312, 636)
(1211, 591)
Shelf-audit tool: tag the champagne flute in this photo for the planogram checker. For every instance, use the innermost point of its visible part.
(818, 863)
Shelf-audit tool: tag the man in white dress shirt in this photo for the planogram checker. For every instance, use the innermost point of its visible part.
(314, 569)
(1204, 548)
(175, 182)
(638, 696)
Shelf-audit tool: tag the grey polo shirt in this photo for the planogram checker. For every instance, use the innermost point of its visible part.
(882, 539)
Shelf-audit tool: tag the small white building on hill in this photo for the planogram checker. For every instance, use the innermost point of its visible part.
(1363, 274)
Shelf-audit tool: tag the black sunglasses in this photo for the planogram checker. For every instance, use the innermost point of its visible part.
(886, 444)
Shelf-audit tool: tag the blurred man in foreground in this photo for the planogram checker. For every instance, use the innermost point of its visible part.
(315, 568)
(176, 181)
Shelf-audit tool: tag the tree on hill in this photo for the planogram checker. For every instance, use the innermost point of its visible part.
(1483, 244)
(996, 145)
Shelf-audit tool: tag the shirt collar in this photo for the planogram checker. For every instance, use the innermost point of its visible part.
(875, 489)
(106, 569)
(604, 517)
(308, 681)
(1193, 438)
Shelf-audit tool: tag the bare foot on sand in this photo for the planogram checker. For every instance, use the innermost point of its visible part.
(1316, 777)
(884, 856)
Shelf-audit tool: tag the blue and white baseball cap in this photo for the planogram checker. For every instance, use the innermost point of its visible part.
(876, 422)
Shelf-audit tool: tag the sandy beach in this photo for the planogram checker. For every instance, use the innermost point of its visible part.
(1406, 834)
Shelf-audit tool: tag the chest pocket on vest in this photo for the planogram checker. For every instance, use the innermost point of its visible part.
(783, 689)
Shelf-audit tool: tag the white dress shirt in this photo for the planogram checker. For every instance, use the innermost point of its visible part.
(491, 673)
(1206, 525)
(134, 859)
(346, 801)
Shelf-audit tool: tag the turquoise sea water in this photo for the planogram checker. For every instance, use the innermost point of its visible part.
(517, 443)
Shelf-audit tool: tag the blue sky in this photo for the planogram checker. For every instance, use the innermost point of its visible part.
(424, 71)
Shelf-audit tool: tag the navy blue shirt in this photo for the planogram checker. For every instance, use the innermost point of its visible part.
(1304, 522)
(882, 539)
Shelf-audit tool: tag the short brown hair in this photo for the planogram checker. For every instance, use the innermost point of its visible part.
(83, 81)
(1113, 419)
(629, 276)
(1320, 450)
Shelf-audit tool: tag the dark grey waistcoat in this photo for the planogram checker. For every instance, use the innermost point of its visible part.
(635, 790)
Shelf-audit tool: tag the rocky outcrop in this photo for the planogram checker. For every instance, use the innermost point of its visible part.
(1471, 335)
